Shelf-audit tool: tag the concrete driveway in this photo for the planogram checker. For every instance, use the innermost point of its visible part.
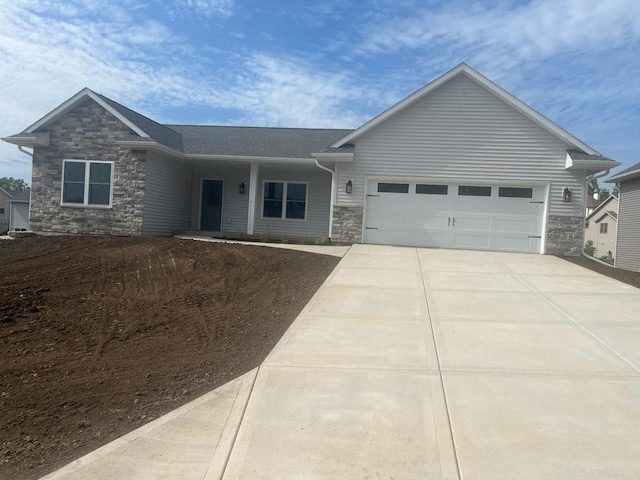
(418, 363)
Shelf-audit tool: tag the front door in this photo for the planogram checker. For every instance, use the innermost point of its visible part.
(211, 207)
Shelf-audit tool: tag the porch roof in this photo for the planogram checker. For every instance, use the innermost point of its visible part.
(255, 141)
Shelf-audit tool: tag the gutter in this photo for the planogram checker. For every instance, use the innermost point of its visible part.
(333, 195)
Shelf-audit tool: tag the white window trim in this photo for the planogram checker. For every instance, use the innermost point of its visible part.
(87, 171)
(284, 200)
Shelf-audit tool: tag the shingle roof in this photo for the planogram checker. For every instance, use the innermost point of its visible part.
(23, 196)
(634, 170)
(158, 132)
(256, 141)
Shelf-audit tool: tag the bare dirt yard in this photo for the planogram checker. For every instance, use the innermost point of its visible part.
(99, 336)
(625, 276)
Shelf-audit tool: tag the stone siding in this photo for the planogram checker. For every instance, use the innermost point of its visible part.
(564, 235)
(88, 132)
(347, 224)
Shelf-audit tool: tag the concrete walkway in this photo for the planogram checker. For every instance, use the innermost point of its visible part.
(417, 363)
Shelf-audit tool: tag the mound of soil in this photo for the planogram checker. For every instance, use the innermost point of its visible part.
(99, 336)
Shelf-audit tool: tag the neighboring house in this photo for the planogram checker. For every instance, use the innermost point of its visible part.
(592, 204)
(19, 211)
(601, 227)
(460, 163)
(4, 210)
(628, 237)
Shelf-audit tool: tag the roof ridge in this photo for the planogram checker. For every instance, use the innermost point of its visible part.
(169, 125)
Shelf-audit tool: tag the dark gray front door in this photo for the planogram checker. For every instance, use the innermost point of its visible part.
(211, 210)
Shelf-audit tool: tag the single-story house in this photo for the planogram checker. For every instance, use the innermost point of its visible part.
(4, 210)
(19, 211)
(601, 227)
(628, 236)
(460, 163)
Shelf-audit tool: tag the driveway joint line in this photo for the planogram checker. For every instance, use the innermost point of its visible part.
(237, 432)
(440, 373)
(578, 324)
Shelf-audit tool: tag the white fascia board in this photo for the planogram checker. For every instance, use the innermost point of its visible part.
(589, 165)
(40, 139)
(624, 176)
(146, 145)
(69, 104)
(465, 69)
(333, 157)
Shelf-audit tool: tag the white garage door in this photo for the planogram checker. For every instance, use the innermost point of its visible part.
(466, 216)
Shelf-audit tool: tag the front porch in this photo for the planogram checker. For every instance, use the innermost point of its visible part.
(265, 201)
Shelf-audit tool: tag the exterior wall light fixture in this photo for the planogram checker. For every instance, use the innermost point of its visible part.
(349, 187)
(241, 188)
(566, 195)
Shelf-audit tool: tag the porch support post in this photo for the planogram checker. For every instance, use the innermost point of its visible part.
(253, 189)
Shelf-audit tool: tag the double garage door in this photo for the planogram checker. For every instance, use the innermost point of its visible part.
(455, 215)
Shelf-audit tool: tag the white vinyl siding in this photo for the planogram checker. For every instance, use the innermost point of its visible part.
(167, 191)
(316, 223)
(628, 244)
(234, 205)
(461, 131)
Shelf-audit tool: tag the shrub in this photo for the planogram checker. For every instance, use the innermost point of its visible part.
(590, 248)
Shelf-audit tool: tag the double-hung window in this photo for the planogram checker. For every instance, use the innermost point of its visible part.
(87, 183)
(285, 200)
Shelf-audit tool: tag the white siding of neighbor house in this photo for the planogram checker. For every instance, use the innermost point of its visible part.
(316, 223)
(462, 131)
(628, 254)
(166, 196)
(234, 205)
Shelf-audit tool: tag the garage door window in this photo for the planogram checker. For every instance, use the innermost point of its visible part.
(432, 189)
(513, 192)
(473, 191)
(393, 188)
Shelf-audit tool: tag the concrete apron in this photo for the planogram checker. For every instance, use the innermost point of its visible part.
(417, 363)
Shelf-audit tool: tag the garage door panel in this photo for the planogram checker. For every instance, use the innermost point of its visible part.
(422, 221)
(476, 224)
(474, 204)
(516, 244)
(514, 225)
(472, 241)
(456, 216)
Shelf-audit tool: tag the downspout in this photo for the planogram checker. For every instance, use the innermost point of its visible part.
(584, 254)
(24, 151)
(333, 194)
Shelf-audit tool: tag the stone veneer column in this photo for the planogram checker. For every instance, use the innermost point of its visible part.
(88, 132)
(564, 235)
(347, 224)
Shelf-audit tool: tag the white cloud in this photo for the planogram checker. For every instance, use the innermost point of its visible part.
(287, 92)
(205, 8)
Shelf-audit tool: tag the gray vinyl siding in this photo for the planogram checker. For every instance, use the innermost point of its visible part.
(628, 245)
(234, 205)
(316, 223)
(167, 194)
(462, 131)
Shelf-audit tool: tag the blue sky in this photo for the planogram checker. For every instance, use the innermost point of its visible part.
(319, 64)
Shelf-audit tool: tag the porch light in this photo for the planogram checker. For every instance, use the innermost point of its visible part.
(241, 188)
(349, 187)
(566, 195)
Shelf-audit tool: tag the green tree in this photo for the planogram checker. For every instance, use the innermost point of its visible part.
(590, 248)
(15, 184)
